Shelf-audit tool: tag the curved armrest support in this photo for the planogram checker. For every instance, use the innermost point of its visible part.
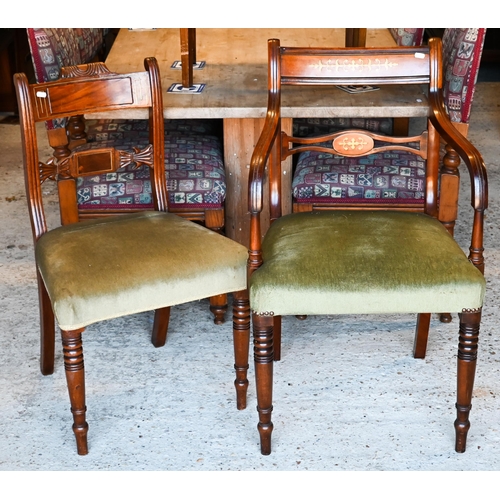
(260, 156)
(442, 123)
(258, 163)
(272, 126)
(469, 154)
(467, 151)
(259, 160)
(477, 173)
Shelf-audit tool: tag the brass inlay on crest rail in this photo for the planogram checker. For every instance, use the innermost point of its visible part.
(356, 64)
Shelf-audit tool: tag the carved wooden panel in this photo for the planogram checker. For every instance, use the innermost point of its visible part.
(88, 95)
(355, 65)
(113, 92)
(96, 70)
(95, 162)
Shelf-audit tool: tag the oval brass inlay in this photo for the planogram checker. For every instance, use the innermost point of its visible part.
(353, 144)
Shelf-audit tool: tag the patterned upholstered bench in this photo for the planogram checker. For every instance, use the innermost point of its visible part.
(53, 48)
(462, 51)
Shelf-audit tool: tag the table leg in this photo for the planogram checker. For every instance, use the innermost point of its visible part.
(188, 55)
(240, 137)
(355, 37)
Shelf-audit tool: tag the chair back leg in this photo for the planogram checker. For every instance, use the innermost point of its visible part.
(218, 307)
(47, 330)
(160, 326)
(421, 335)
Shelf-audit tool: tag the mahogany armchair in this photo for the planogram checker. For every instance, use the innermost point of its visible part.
(193, 149)
(363, 261)
(102, 268)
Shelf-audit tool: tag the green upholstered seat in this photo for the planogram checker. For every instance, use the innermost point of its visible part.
(106, 268)
(363, 262)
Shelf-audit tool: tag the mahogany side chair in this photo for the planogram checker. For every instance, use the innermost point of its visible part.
(193, 148)
(363, 261)
(103, 268)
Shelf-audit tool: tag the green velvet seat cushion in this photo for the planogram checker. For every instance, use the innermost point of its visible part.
(355, 262)
(114, 266)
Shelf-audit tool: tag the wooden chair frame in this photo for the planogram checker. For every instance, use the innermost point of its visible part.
(75, 130)
(93, 88)
(212, 218)
(306, 66)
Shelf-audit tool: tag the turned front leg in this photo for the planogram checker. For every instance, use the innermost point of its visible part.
(264, 356)
(241, 342)
(467, 356)
(75, 376)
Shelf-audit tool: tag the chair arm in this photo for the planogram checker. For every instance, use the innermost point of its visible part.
(442, 123)
(260, 156)
(267, 139)
(259, 160)
(477, 173)
(467, 151)
(264, 148)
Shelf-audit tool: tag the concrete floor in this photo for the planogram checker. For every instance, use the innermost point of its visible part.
(348, 394)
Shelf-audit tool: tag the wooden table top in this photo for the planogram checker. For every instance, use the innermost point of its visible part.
(235, 75)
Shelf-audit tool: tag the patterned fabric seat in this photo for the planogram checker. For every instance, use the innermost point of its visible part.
(393, 176)
(194, 169)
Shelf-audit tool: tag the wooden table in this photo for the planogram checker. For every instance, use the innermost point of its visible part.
(236, 91)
